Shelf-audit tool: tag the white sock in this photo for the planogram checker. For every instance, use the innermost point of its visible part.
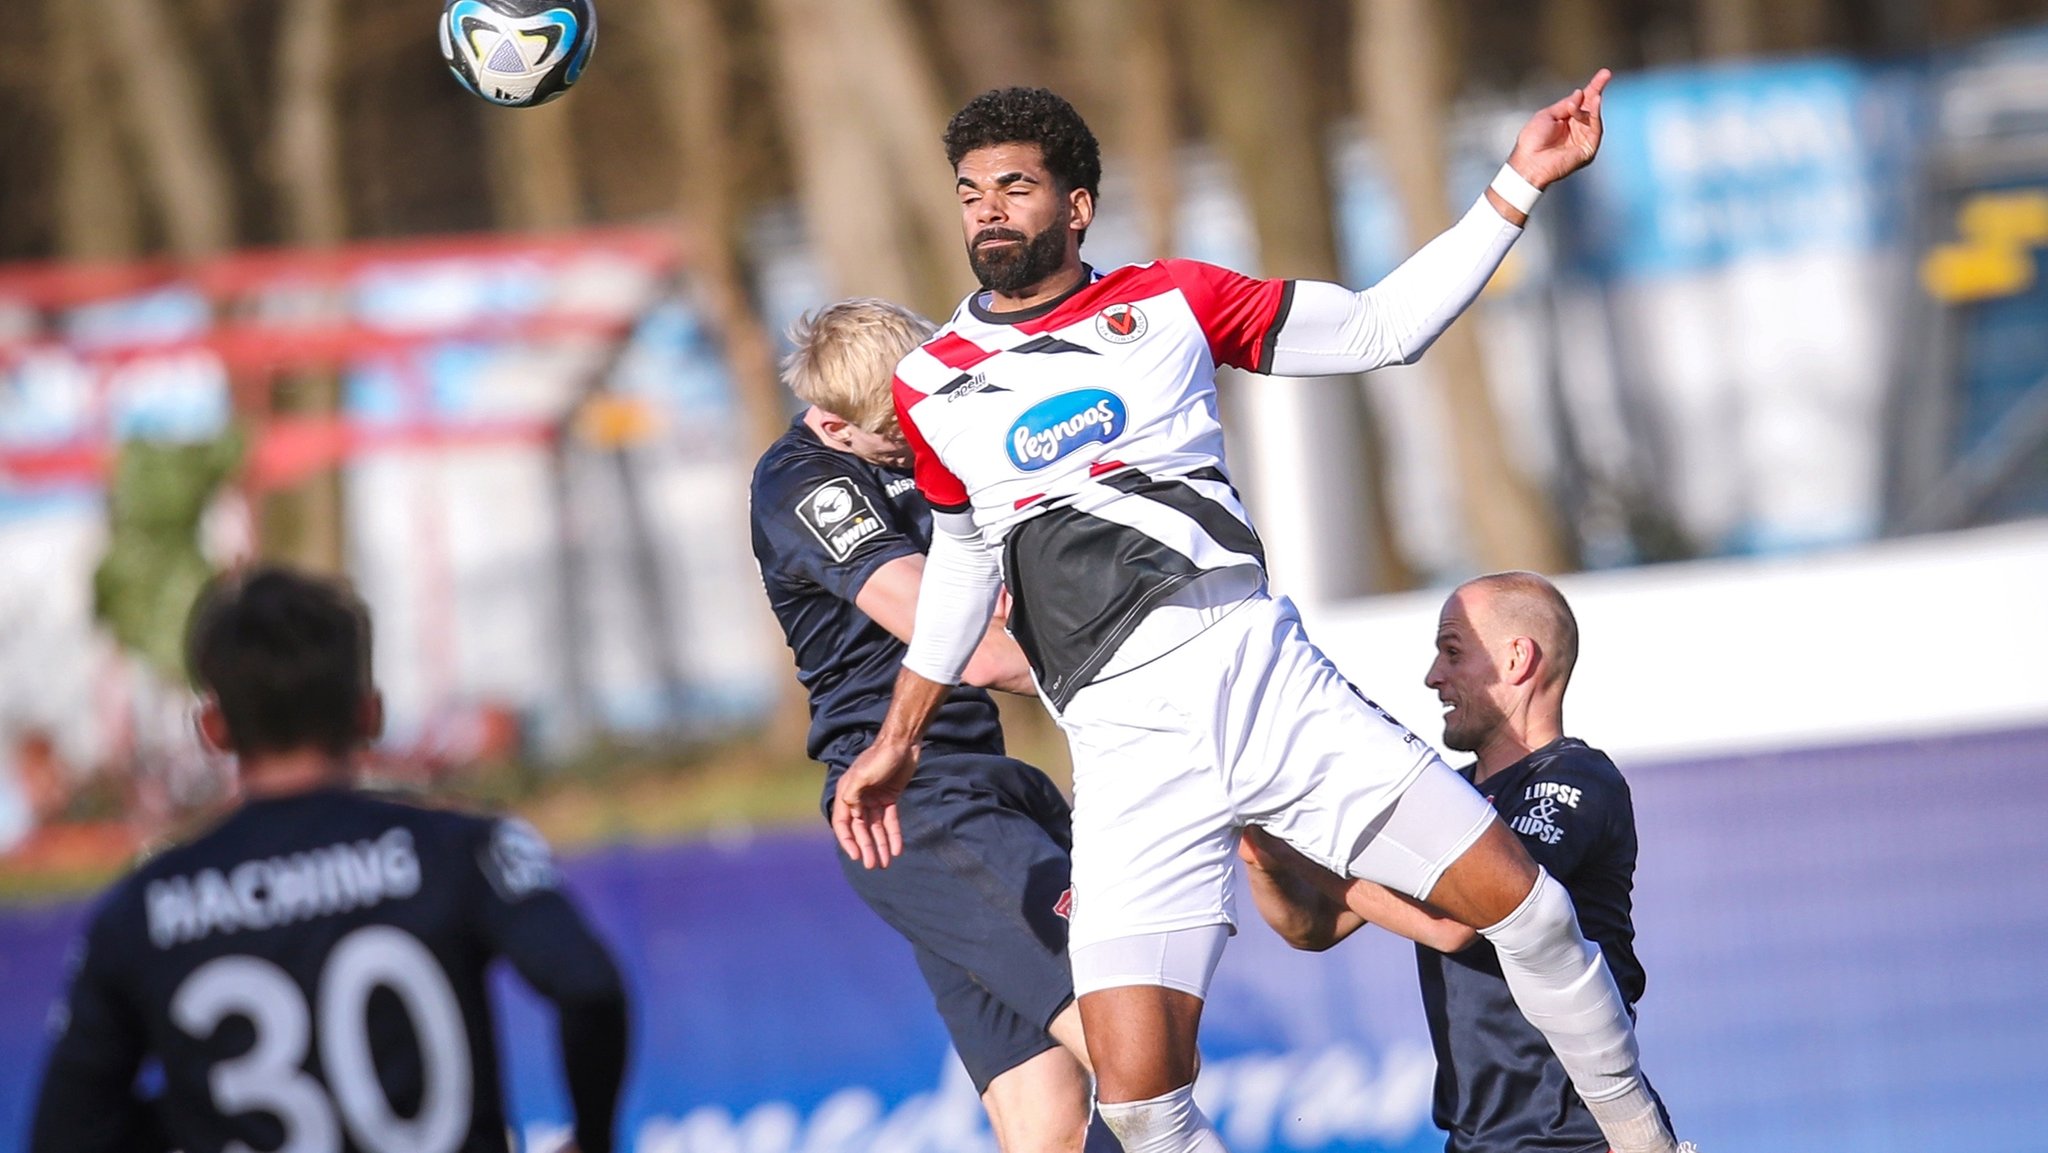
(1562, 985)
(1168, 1124)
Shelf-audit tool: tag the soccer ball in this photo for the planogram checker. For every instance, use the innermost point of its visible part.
(517, 53)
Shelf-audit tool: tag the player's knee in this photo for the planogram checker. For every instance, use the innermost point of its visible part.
(1039, 1106)
(1166, 1124)
(1543, 927)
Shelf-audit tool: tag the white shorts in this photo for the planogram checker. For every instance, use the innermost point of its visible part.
(1184, 959)
(1246, 724)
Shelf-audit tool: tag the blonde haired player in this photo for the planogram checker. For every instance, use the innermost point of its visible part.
(840, 532)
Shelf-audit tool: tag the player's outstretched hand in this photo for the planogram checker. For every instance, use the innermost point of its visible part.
(1562, 138)
(864, 806)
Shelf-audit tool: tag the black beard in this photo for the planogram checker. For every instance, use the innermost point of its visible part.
(1015, 268)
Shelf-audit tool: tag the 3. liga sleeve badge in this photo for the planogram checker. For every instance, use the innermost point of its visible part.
(517, 53)
(840, 515)
(518, 863)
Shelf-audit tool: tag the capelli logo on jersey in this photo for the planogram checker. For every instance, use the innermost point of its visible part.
(965, 385)
(1053, 428)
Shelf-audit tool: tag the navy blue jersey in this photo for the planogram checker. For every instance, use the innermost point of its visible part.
(1498, 1086)
(310, 975)
(824, 521)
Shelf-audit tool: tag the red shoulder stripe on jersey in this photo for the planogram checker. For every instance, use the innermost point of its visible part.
(1130, 283)
(1237, 313)
(1024, 500)
(1102, 466)
(938, 484)
(957, 352)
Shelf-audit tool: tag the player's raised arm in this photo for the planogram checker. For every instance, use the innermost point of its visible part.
(529, 921)
(1331, 329)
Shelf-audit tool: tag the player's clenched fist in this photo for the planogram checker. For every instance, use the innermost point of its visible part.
(1563, 138)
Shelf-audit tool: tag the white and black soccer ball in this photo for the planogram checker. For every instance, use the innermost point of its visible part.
(517, 53)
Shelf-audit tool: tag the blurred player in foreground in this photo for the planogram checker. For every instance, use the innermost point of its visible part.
(1505, 647)
(840, 532)
(309, 975)
(1064, 425)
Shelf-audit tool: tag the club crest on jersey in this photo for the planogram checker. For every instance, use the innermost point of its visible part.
(1053, 428)
(1120, 323)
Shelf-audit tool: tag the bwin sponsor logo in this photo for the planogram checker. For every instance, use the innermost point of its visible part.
(1053, 428)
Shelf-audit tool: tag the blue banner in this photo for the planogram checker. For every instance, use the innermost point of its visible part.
(777, 1013)
(1707, 167)
(1844, 949)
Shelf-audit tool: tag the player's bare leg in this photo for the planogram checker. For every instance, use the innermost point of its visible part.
(1488, 882)
(1040, 1106)
(1066, 1029)
(1142, 1041)
(1559, 980)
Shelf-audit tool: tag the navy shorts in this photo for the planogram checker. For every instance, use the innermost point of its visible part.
(979, 893)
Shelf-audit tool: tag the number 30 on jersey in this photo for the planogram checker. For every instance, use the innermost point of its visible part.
(271, 1078)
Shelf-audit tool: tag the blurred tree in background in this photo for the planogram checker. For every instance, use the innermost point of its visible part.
(154, 567)
(797, 142)
(188, 127)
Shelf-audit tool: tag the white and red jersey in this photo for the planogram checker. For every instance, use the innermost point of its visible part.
(1147, 338)
(1083, 436)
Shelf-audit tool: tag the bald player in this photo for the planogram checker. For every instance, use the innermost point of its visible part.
(1505, 647)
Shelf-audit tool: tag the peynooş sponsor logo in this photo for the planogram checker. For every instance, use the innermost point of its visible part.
(1053, 428)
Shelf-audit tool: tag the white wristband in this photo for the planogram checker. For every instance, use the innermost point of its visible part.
(1509, 186)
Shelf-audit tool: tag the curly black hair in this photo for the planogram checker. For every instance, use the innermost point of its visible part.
(1030, 116)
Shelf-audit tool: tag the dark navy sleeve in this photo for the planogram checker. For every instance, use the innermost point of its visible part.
(526, 918)
(1566, 813)
(87, 1102)
(825, 522)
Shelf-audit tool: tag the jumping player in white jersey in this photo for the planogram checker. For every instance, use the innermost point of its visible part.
(1065, 433)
